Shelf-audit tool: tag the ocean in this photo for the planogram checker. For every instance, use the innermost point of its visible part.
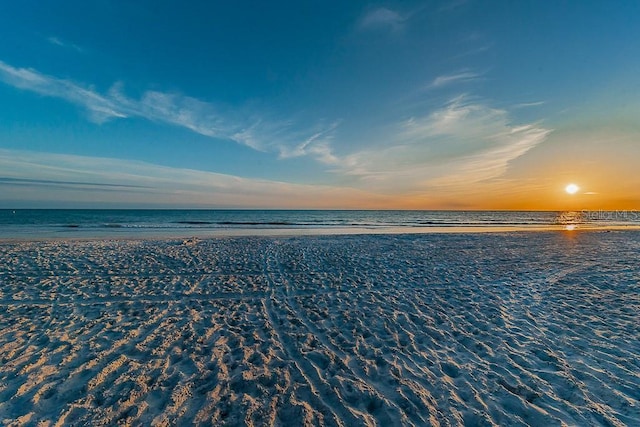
(47, 223)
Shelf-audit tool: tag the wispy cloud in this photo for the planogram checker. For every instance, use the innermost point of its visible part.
(31, 177)
(461, 143)
(175, 109)
(382, 18)
(493, 161)
(57, 182)
(449, 79)
(317, 145)
(101, 108)
(59, 42)
(452, 5)
(529, 104)
(471, 44)
(179, 110)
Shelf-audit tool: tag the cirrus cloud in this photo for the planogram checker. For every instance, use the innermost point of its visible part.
(463, 142)
(201, 117)
(382, 18)
(28, 178)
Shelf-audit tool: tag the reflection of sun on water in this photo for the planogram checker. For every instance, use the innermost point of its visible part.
(570, 220)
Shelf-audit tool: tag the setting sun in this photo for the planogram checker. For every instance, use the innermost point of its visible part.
(571, 189)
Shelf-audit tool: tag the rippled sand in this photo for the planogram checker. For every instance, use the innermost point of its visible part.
(472, 329)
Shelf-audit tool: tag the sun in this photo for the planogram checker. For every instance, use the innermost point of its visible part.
(571, 189)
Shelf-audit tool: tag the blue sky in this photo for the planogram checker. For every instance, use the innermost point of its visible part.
(453, 104)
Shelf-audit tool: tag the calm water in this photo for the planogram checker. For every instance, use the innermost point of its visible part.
(25, 223)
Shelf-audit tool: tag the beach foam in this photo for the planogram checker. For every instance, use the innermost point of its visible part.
(469, 329)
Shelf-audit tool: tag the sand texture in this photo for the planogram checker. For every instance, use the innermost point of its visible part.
(460, 329)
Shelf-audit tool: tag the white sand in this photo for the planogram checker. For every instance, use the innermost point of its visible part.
(474, 329)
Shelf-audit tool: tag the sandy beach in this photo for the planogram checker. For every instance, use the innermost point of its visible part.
(471, 329)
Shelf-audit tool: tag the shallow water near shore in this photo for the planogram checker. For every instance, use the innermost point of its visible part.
(428, 329)
(86, 224)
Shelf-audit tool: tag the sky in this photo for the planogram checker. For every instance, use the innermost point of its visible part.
(456, 104)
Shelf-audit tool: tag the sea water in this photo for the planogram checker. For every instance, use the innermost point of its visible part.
(44, 223)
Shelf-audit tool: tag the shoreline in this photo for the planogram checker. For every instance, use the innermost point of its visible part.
(154, 235)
